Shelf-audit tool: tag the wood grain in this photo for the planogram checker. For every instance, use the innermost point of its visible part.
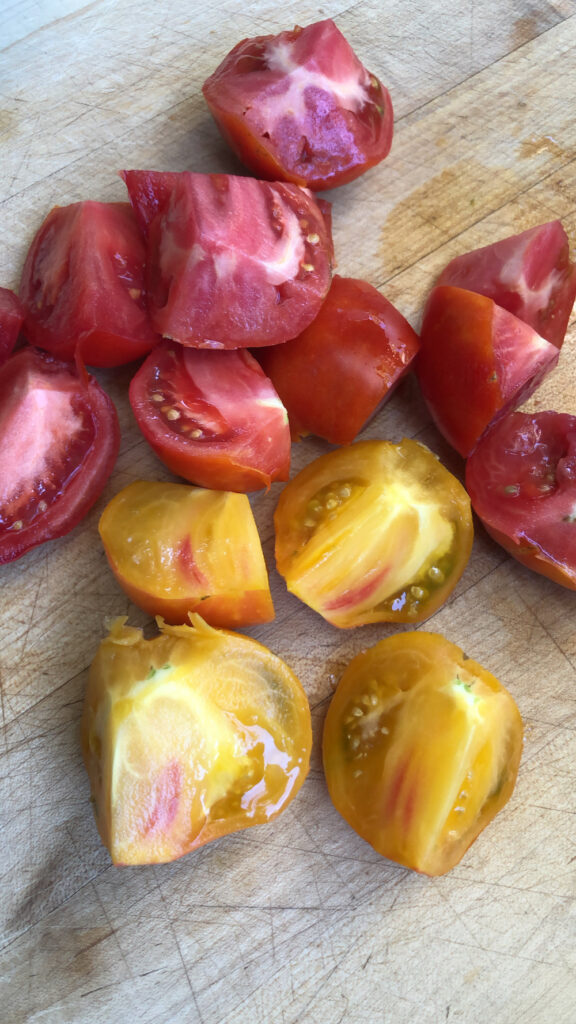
(299, 922)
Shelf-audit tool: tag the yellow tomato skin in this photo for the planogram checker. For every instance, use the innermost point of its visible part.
(175, 548)
(189, 736)
(421, 749)
(373, 532)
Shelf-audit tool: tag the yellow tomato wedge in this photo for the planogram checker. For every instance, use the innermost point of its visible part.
(373, 532)
(175, 548)
(421, 749)
(186, 737)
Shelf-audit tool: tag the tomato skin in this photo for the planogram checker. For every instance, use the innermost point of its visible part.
(232, 262)
(176, 549)
(421, 749)
(334, 376)
(373, 532)
(477, 361)
(83, 285)
(188, 737)
(11, 320)
(522, 482)
(530, 274)
(59, 440)
(301, 107)
(213, 418)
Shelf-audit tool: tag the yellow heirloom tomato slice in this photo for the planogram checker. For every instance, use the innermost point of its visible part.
(421, 749)
(373, 532)
(175, 548)
(189, 736)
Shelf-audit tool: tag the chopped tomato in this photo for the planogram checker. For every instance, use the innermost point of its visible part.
(59, 439)
(301, 107)
(522, 482)
(83, 285)
(477, 361)
(212, 417)
(189, 736)
(177, 549)
(11, 320)
(530, 275)
(334, 377)
(421, 749)
(374, 532)
(232, 262)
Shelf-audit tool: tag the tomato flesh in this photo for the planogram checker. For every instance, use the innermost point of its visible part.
(421, 749)
(477, 361)
(11, 320)
(301, 107)
(232, 262)
(522, 483)
(213, 418)
(530, 274)
(374, 532)
(83, 285)
(176, 549)
(59, 439)
(335, 376)
(189, 736)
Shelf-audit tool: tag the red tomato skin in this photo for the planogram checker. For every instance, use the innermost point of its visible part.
(97, 436)
(83, 285)
(11, 320)
(232, 262)
(521, 479)
(244, 442)
(530, 275)
(336, 374)
(477, 361)
(276, 102)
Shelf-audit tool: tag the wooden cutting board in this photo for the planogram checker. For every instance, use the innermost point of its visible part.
(299, 922)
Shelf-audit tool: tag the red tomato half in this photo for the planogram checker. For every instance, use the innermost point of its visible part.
(301, 107)
(530, 275)
(83, 285)
(522, 483)
(232, 262)
(11, 319)
(59, 439)
(336, 374)
(212, 417)
(476, 362)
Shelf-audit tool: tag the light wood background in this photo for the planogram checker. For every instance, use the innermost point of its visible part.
(299, 922)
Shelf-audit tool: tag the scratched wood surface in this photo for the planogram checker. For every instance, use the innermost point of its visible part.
(299, 922)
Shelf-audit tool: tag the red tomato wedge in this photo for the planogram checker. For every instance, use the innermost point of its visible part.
(83, 285)
(59, 439)
(477, 361)
(212, 417)
(338, 372)
(522, 482)
(530, 275)
(301, 107)
(233, 262)
(11, 319)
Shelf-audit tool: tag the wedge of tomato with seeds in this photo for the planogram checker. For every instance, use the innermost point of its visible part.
(301, 107)
(177, 549)
(213, 418)
(188, 737)
(59, 439)
(421, 749)
(373, 532)
(232, 262)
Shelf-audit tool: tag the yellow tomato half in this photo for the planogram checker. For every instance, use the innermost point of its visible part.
(186, 737)
(373, 532)
(175, 548)
(421, 749)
